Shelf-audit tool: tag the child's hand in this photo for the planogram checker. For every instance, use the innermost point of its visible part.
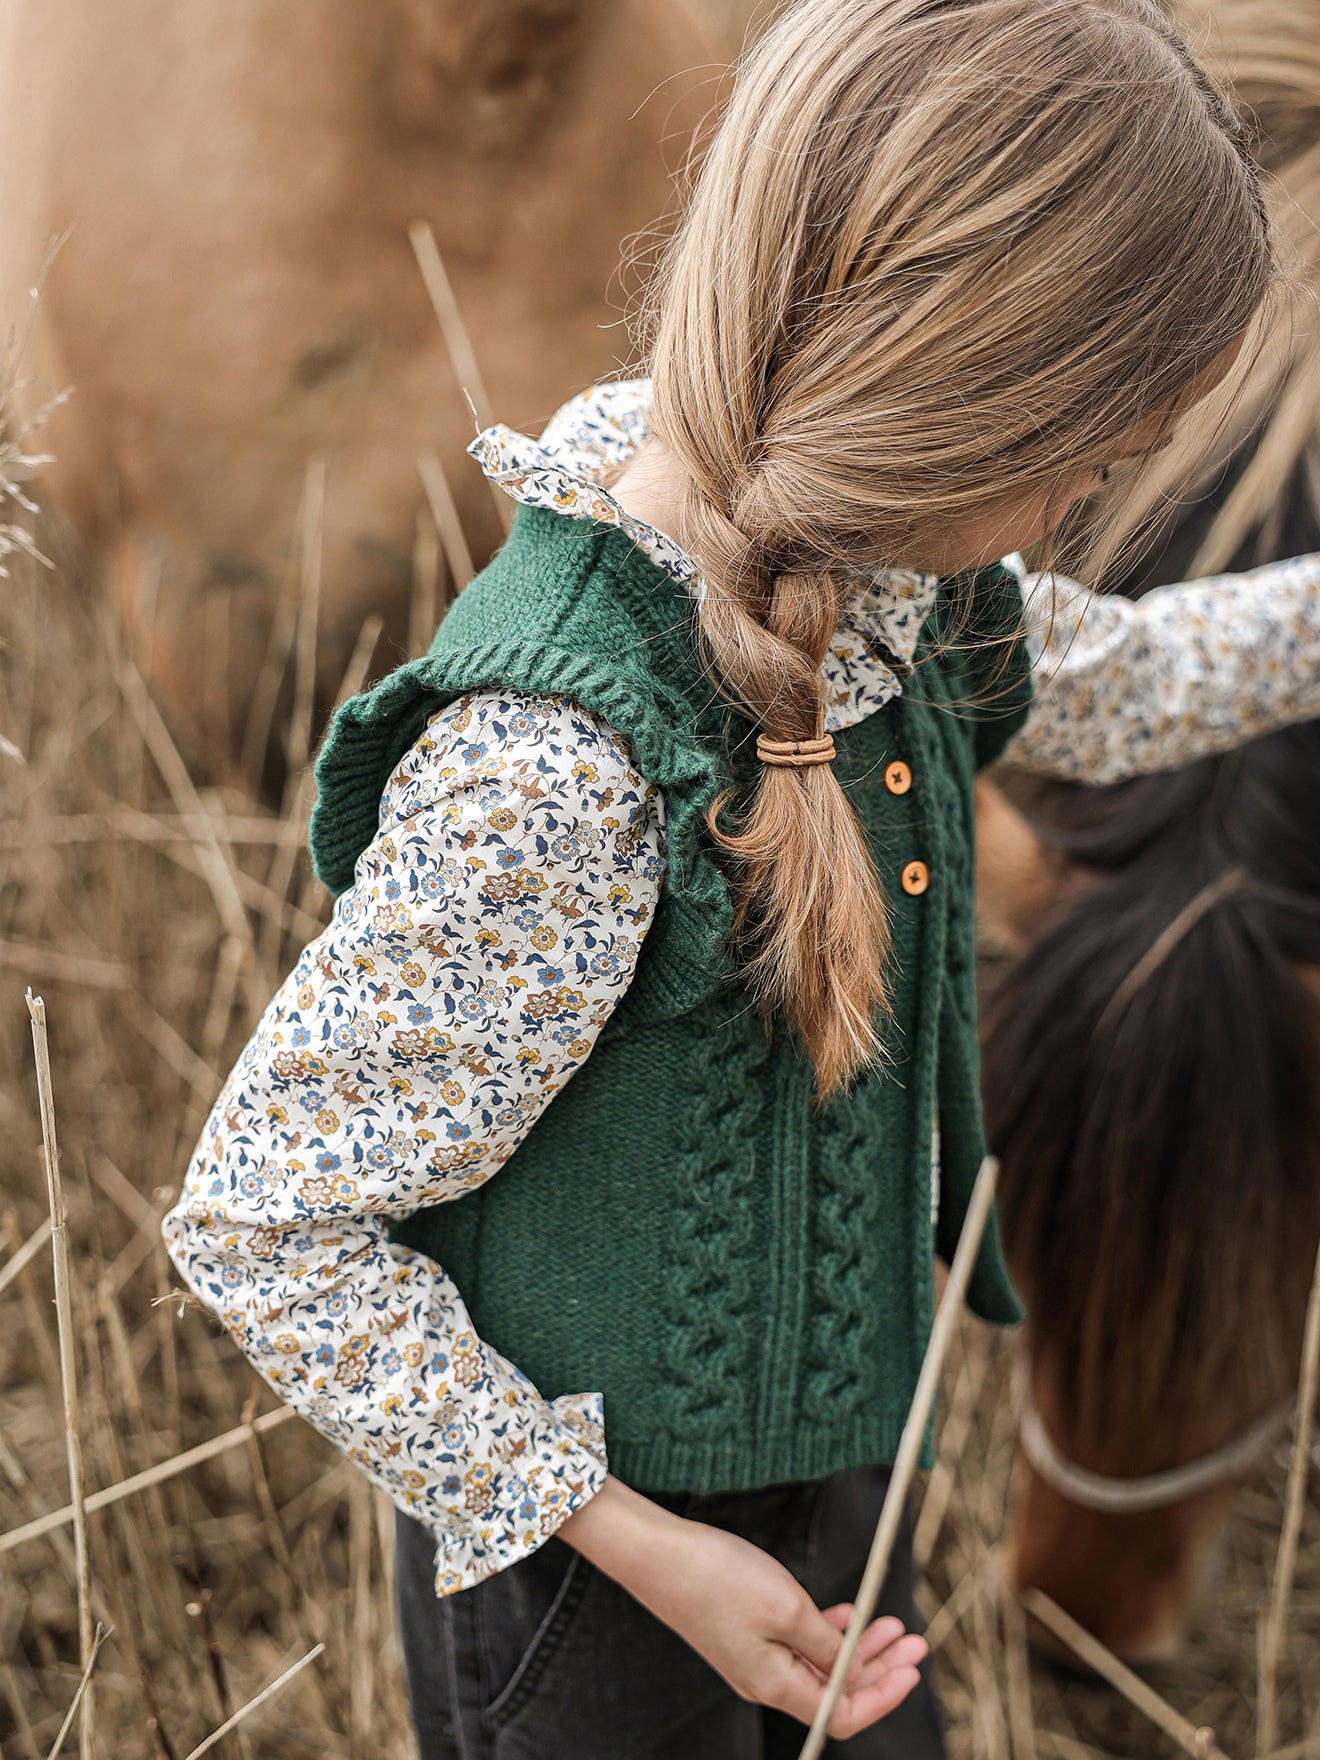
(743, 1612)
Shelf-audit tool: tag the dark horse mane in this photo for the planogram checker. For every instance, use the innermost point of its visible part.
(1160, 1135)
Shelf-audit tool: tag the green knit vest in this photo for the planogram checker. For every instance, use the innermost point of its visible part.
(745, 1274)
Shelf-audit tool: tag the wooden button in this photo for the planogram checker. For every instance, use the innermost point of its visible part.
(915, 878)
(898, 777)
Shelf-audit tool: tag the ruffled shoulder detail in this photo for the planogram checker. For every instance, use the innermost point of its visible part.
(574, 610)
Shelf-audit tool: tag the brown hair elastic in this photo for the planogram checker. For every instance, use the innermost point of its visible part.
(794, 754)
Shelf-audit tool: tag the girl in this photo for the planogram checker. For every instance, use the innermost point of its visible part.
(679, 806)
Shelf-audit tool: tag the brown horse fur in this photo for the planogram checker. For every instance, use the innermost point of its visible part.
(237, 292)
(1160, 1183)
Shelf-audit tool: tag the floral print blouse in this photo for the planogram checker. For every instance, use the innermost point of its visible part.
(493, 924)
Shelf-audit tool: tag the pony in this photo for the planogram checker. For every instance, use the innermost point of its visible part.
(1151, 1067)
(236, 294)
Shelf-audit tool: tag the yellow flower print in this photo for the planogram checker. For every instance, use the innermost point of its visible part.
(326, 1120)
(488, 938)
(289, 1343)
(451, 1093)
(583, 771)
(277, 1115)
(501, 819)
(543, 937)
(620, 894)
(412, 974)
(413, 1354)
(306, 995)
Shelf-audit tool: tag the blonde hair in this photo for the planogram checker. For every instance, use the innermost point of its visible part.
(940, 253)
(1271, 52)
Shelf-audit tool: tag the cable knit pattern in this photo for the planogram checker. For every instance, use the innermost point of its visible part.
(712, 1319)
(847, 1216)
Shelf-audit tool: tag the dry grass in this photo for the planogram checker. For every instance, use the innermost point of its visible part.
(1000, 1703)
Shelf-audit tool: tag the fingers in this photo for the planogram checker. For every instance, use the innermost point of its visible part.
(882, 1688)
(877, 1635)
(814, 1637)
(883, 1673)
(857, 1711)
(879, 1638)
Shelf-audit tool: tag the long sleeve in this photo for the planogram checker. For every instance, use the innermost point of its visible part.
(492, 926)
(1125, 686)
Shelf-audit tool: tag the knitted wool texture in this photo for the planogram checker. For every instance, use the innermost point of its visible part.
(744, 1273)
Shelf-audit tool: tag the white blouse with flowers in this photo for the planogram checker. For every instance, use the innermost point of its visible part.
(494, 922)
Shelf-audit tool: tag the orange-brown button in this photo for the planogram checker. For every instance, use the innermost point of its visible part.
(915, 878)
(898, 777)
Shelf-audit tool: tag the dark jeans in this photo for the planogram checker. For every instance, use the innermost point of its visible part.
(551, 1660)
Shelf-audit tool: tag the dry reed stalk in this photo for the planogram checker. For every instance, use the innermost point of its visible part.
(64, 968)
(362, 1633)
(294, 827)
(253, 893)
(986, 1650)
(948, 1615)
(17, 1710)
(284, 856)
(462, 355)
(1198, 1742)
(143, 1215)
(309, 619)
(157, 1475)
(84, 1687)
(68, 1364)
(1017, 1674)
(953, 1439)
(1285, 1566)
(215, 860)
(243, 1711)
(444, 511)
(13, 1266)
(909, 1451)
(424, 603)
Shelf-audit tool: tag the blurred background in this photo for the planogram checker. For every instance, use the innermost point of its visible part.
(282, 258)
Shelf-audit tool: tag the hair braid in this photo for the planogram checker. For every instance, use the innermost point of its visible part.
(943, 255)
(810, 910)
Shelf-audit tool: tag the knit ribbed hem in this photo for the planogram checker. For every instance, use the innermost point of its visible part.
(670, 1463)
